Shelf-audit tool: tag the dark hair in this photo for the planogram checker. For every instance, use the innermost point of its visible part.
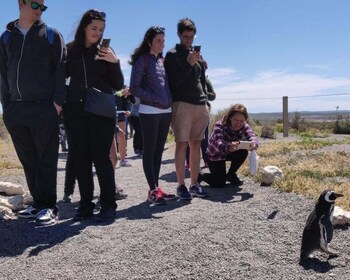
(78, 44)
(235, 109)
(146, 42)
(186, 24)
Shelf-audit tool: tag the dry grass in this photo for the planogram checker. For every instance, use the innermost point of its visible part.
(308, 169)
(9, 163)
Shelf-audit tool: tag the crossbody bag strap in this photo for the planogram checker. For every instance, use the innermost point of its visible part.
(86, 85)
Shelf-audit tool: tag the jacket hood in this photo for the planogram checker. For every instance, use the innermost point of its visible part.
(12, 26)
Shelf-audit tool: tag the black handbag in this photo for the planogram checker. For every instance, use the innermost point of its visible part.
(98, 102)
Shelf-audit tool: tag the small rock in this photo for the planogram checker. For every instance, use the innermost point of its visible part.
(10, 188)
(340, 216)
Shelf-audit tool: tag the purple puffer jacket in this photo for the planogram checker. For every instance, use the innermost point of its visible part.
(149, 81)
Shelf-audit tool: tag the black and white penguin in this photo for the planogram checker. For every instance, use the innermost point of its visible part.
(318, 231)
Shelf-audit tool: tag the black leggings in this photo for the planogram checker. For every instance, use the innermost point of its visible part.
(155, 128)
(217, 175)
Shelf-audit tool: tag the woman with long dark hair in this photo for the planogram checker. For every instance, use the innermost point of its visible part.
(92, 65)
(149, 83)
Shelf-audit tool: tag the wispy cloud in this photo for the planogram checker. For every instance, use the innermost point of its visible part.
(264, 91)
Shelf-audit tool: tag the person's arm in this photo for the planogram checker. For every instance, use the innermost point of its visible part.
(250, 135)
(210, 90)
(137, 74)
(60, 54)
(4, 87)
(177, 72)
(217, 139)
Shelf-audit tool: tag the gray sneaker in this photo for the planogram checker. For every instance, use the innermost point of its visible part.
(47, 216)
(29, 213)
(197, 190)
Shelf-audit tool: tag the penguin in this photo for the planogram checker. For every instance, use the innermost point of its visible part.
(318, 231)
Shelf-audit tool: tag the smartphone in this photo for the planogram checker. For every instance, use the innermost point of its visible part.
(105, 43)
(197, 48)
(245, 145)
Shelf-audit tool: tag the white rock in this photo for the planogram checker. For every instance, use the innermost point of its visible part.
(15, 203)
(270, 173)
(27, 199)
(10, 188)
(340, 216)
(5, 213)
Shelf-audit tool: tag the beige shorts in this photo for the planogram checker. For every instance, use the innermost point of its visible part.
(189, 121)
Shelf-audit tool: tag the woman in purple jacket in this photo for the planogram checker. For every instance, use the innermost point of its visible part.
(149, 83)
(223, 145)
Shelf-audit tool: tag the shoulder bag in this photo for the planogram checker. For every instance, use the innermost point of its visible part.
(98, 102)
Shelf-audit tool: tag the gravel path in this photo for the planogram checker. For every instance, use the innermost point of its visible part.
(250, 232)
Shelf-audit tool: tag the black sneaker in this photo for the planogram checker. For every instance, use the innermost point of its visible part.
(106, 216)
(47, 216)
(120, 195)
(183, 193)
(84, 213)
(198, 191)
(234, 180)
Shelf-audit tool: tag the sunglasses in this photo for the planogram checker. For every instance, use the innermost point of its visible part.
(35, 5)
(97, 14)
(158, 29)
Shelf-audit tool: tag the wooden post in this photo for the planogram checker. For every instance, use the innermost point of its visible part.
(285, 116)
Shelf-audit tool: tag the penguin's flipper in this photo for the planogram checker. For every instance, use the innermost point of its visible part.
(326, 228)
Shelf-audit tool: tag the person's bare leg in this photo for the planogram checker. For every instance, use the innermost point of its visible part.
(121, 140)
(180, 155)
(113, 154)
(195, 157)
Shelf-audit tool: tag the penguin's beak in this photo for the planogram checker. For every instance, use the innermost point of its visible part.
(338, 195)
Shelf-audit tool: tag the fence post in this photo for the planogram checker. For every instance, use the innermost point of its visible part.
(285, 116)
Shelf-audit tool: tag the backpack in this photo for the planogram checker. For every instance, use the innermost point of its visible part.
(50, 35)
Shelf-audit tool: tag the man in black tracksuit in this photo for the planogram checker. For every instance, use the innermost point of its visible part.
(32, 93)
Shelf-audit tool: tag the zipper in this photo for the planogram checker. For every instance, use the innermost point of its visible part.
(19, 62)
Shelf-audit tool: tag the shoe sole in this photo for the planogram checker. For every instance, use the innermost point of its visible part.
(185, 198)
(199, 195)
(28, 217)
(169, 198)
(45, 223)
(156, 203)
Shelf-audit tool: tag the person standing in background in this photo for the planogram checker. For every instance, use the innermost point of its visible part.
(91, 135)
(149, 83)
(32, 52)
(135, 122)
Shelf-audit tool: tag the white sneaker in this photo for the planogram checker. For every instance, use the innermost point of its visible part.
(29, 213)
(47, 216)
(124, 163)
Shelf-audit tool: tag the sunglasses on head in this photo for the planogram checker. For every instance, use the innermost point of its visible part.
(35, 5)
(158, 29)
(97, 14)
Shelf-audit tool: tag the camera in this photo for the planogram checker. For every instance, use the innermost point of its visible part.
(245, 145)
(197, 48)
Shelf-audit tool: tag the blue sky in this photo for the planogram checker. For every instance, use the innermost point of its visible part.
(257, 50)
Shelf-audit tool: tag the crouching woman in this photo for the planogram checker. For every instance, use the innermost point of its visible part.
(223, 145)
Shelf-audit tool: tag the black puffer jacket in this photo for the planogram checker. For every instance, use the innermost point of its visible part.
(31, 69)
